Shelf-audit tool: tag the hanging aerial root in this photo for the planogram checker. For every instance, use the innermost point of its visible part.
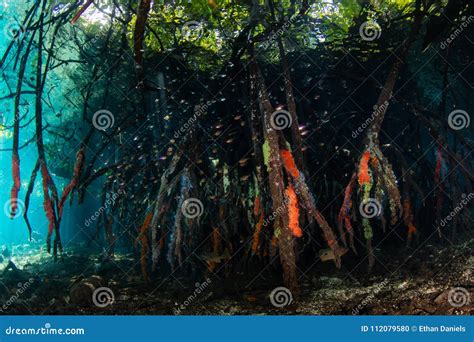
(256, 234)
(48, 205)
(408, 218)
(139, 32)
(16, 185)
(176, 239)
(394, 197)
(216, 243)
(307, 201)
(143, 239)
(289, 163)
(293, 212)
(258, 213)
(364, 175)
(256, 206)
(344, 214)
(81, 11)
(29, 190)
(80, 156)
(440, 170)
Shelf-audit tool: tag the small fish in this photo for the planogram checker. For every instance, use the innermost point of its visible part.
(244, 178)
(328, 254)
(216, 258)
(250, 298)
(243, 161)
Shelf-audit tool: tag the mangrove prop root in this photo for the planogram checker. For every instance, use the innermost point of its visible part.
(29, 190)
(80, 156)
(344, 214)
(281, 228)
(81, 11)
(139, 32)
(307, 200)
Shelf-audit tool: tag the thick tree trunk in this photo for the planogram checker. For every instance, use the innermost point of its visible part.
(276, 185)
(296, 139)
(139, 32)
